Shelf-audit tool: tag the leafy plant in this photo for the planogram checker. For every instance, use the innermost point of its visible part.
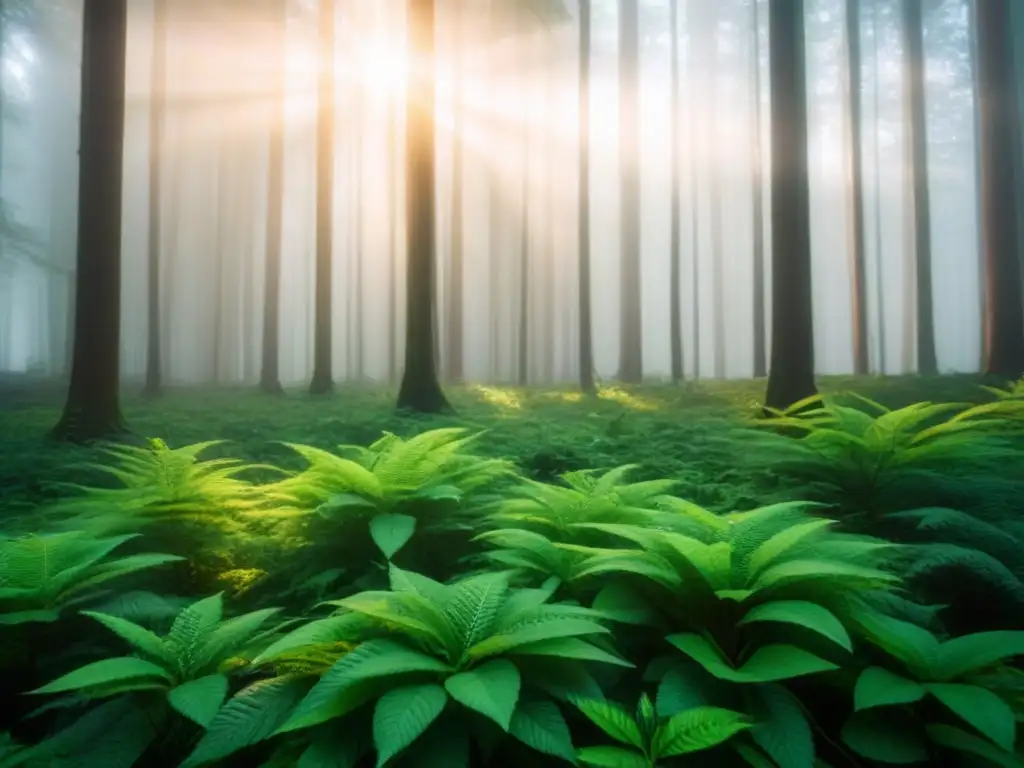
(649, 739)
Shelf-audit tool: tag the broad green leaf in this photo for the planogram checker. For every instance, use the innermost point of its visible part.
(612, 757)
(613, 720)
(200, 700)
(571, 648)
(474, 605)
(230, 637)
(877, 687)
(333, 748)
(683, 686)
(402, 715)
(123, 669)
(539, 724)
(768, 664)
(392, 532)
(492, 689)
(535, 631)
(805, 614)
(980, 707)
(333, 629)
(147, 643)
(781, 727)
(954, 738)
(693, 730)
(191, 629)
(340, 502)
(781, 542)
(879, 736)
(974, 652)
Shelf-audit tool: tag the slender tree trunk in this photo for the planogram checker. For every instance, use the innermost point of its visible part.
(791, 378)
(717, 244)
(270, 374)
(157, 116)
(356, 324)
(914, 97)
(322, 381)
(697, 55)
(454, 326)
(392, 186)
(421, 390)
(760, 321)
(858, 267)
(676, 269)
(92, 410)
(586, 334)
(998, 122)
(523, 357)
(631, 331)
(879, 245)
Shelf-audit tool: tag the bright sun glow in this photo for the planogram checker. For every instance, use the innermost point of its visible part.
(382, 68)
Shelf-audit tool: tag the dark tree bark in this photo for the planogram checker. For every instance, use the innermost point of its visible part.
(858, 266)
(676, 267)
(879, 277)
(760, 334)
(323, 381)
(791, 378)
(92, 410)
(998, 122)
(420, 389)
(157, 117)
(454, 326)
(631, 366)
(586, 333)
(697, 55)
(270, 374)
(917, 183)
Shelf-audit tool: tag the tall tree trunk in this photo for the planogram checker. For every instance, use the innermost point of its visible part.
(877, 144)
(92, 410)
(717, 244)
(270, 374)
(858, 267)
(917, 144)
(791, 378)
(391, 143)
(322, 381)
(357, 367)
(676, 268)
(998, 122)
(421, 390)
(523, 357)
(760, 321)
(157, 117)
(586, 333)
(631, 367)
(454, 326)
(697, 56)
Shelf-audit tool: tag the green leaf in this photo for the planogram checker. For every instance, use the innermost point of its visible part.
(693, 730)
(333, 629)
(392, 532)
(805, 614)
(539, 724)
(141, 639)
(123, 669)
(612, 757)
(200, 700)
(880, 736)
(683, 686)
(333, 748)
(980, 707)
(474, 605)
(402, 715)
(877, 687)
(249, 717)
(191, 629)
(952, 737)
(571, 648)
(492, 689)
(532, 632)
(613, 720)
(230, 637)
(446, 745)
(339, 502)
(970, 653)
(768, 664)
(782, 729)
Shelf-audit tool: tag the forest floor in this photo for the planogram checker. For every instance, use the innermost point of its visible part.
(686, 433)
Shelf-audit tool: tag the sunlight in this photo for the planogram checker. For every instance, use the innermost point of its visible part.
(382, 69)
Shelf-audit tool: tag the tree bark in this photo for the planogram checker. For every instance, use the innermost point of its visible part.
(454, 326)
(676, 267)
(760, 335)
(157, 116)
(858, 267)
(631, 324)
(586, 333)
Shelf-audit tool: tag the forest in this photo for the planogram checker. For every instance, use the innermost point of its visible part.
(511, 383)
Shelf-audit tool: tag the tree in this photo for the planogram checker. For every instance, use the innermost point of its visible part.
(92, 410)
(631, 330)
(454, 326)
(760, 345)
(917, 182)
(270, 372)
(857, 224)
(323, 382)
(586, 334)
(997, 123)
(676, 267)
(420, 389)
(715, 194)
(791, 376)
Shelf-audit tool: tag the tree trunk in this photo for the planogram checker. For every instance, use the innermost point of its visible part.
(523, 356)
(586, 333)
(998, 121)
(631, 330)
(697, 56)
(917, 143)
(92, 410)
(322, 381)
(270, 372)
(157, 116)
(676, 268)
(791, 378)
(454, 326)
(715, 192)
(861, 363)
(760, 340)
(879, 261)
(420, 390)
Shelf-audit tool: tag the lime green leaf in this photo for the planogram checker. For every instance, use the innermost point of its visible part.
(340, 502)
(402, 715)
(954, 738)
(980, 707)
(492, 689)
(533, 632)
(392, 532)
(200, 700)
(693, 730)
(768, 664)
(141, 639)
(970, 653)
(333, 629)
(613, 720)
(122, 669)
(805, 614)
(877, 687)
(539, 724)
(879, 736)
(612, 757)
(782, 729)
(191, 629)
